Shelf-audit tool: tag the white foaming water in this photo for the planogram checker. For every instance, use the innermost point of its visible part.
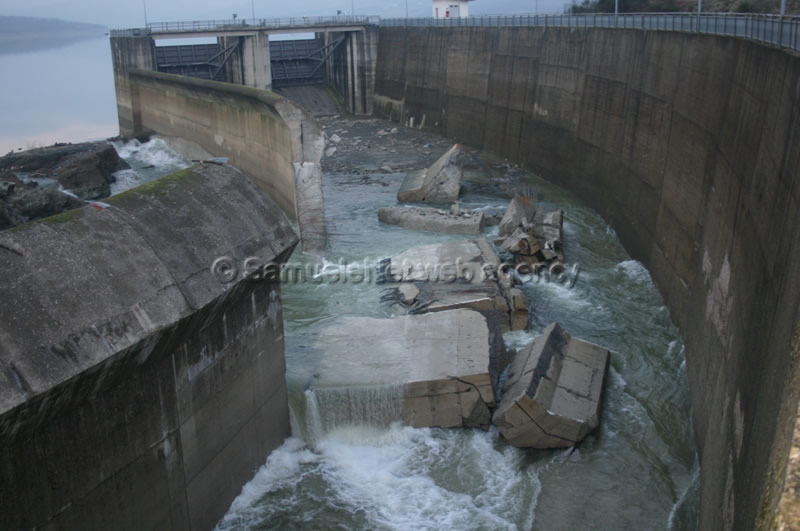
(148, 161)
(518, 339)
(556, 291)
(335, 271)
(154, 152)
(328, 409)
(283, 470)
(635, 270)
(692, 488)
(397, 478)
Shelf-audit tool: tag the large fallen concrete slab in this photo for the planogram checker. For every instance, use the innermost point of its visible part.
(433, 219)
(471, 260)
(520, 213)
(441, 365)
(554, 391)
(451, 275)
(441, 183)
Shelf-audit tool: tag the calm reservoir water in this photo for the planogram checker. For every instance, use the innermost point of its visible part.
(63, 94)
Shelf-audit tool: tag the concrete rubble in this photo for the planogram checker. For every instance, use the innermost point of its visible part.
(532, 236)
(440, 183)
(554, 391)
(444, 363)
(455, 274)
(433, 219)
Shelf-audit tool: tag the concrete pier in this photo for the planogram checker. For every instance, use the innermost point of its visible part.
(141, 382)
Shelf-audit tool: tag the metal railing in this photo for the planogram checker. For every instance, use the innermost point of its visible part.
(773, 29)
(260, 23)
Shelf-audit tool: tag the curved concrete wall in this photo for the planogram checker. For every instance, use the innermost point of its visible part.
(137, 389)
(689, 146)
(274, 141)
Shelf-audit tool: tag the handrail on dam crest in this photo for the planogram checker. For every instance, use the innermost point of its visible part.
(772, 29)
(258, 23)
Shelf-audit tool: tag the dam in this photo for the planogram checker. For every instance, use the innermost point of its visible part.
(681, 138)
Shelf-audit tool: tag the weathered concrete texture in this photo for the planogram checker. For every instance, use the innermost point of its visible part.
(554, 391)
(308, 145)
(352, 68)
(441, 183)
(521, 210)
(446, 363)
(451, 275)
(468, 260)
(274, 141)
(532, 236)
(128, 53)
(139, 390)
(433, 219)
(687, 145)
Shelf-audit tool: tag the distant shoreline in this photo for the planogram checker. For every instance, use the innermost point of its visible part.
(24, 34)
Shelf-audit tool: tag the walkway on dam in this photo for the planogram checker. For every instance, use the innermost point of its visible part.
(774, 29)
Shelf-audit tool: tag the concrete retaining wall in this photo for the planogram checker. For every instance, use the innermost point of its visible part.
(139, 390)
(273, 140)
(351, 68)
(128, 53)
(689, 145)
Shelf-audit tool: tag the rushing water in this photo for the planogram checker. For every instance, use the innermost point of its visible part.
(147, 160)
(638, 470)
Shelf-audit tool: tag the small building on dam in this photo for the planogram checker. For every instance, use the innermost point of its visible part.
(137, 390)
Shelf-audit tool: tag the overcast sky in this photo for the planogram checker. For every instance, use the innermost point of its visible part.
(130, 13)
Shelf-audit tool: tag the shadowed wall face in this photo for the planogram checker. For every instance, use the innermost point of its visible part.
(140, 387)
(689, 146)
(275, 141)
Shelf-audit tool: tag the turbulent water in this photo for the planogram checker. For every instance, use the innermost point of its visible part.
(147, 160)
(638, 470)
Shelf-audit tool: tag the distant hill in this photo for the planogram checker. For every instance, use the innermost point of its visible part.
(24, 34)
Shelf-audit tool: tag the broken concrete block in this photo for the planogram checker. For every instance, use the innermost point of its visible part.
(554, 391)
(442, 364)
(470, 260)
(548, 226)
(441, 183)
(408, 293)
(487, 298)
(521, 210)
(492, 220)
(522, 243)
(457, 274)
(432, 219)
(518, 304)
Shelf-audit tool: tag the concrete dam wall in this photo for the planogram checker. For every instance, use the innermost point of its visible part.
(689, 146)
(139, 390)
(273, 140)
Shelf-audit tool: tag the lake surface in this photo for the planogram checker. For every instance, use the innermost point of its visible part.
(63, 94)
